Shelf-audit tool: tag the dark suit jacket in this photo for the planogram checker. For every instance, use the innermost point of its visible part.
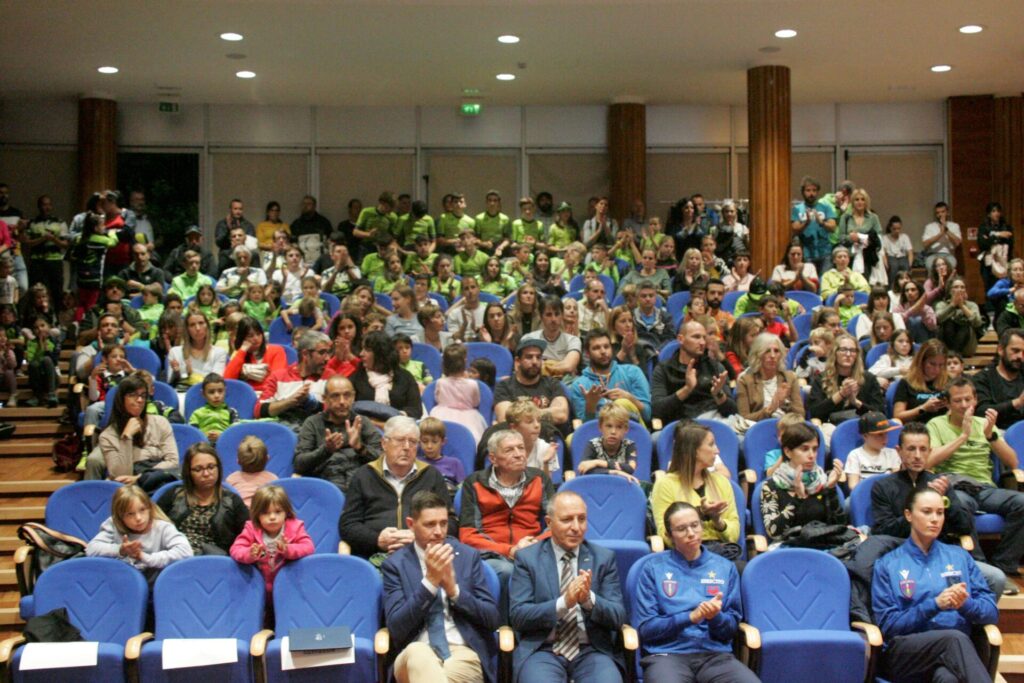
(407, 600)
(533, 592)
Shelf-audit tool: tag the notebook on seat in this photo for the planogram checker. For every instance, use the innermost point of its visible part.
(320, 639)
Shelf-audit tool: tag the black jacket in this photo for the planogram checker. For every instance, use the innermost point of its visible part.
(404, 394)
(820, 405)
(313, 459)
(670, 376)
(888, 495)
(372, 504)
(996, 392)
(227, 522)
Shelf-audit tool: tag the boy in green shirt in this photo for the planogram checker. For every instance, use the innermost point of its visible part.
(415, 224)
(41, 354)
(152, 309)
(469, 261)
(416, 368)
(526, 229)
(602, 263)
(374, 265)
(561, 234)
(492, 226)
(452, 224)
(422, 260)
(377, 220)
(215, 416)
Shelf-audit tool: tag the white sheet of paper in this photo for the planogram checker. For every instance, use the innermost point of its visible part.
(36, 656)
(305, 660)
(183, 653)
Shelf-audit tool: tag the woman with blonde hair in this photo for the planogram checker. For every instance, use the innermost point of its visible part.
(626, 344)
(920, 395)
(766, 389)
(844, 389)
(861, 227)
(690, 479)
(197, 357)
(523, 314)
(691, 271)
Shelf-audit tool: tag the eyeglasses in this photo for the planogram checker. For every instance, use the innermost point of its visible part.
(204, 468)
(683, 528)
(142, 395)
(845, 350)
(403, 441)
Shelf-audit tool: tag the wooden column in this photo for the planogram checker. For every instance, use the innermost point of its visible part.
(627, 151)
(97, 146)
(1007, 164)
(768, 123)
(970, 120)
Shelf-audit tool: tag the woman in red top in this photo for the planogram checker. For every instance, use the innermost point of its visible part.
(254, 360)
(346, 333)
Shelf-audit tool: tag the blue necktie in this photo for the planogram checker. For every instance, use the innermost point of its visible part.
(435, 628)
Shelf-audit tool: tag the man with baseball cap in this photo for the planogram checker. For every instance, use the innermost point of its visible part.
(175, 261)
(527, 381)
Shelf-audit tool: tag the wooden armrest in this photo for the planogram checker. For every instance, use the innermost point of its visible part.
(568, 475)
(576, 423)
(630, 639)
(759, 541)
(382, 641)
(134, 645)
(967, 543)
(871, 632)
(1018, 475)
(992, 634)
(656, 424)
(258, 644)
(22, 569)
(657, 543)
(506, 639)
(88, 431)
(7, 647)
(344, 548)
(78, 388)
(748, 476)
(656, 474)
(751, 636)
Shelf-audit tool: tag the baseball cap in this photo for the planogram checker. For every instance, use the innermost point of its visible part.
(874, 422)
(193, 230)
(526, 343)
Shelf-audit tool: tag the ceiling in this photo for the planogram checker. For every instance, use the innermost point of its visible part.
(425, 52)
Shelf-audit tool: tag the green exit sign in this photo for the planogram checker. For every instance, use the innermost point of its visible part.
(169, 107)
(470, 109)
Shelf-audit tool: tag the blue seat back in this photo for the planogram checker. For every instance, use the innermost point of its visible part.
(851, 326)
(616, 508)
(318, 503)
(847, 436)
(136, 301)
(636, 432)
(677, 302)
(239, 395)
(331, 302)
(290, 353)
(281, 335)
(874, 353)
(668, 350)
(796, 353)
(429, 356)
(105, 598)
(439, 299)
(384, 301)
(280, 442)
(890, 397)
(632, 579)
(486, 407)
(1015, 437)
(725, 438)
(796, 589)
(185, 436)
(809, 300)
(142, 358)
(328, 590)
(860, 502)
(802, 323)
(166, 394)
(209, 597)
(460, 444)
(80, 508)
(730, 299)
(497, 354)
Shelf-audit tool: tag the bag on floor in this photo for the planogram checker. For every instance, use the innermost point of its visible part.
(67, 452)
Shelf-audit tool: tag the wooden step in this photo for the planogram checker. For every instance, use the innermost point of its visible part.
(33, 446)
(39, 428)
(32, 467)
(25, 413)
(8, 544)
(9, 617)
(22, 513)
(30, 487)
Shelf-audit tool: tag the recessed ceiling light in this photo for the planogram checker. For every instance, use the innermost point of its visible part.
(246, 74)
(785, 33)
(107, 69)
(941, 68)
(971, 28)
(233, 37)
(506, 77)
(508, 39)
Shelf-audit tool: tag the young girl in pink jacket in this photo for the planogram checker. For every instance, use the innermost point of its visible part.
(272, 536)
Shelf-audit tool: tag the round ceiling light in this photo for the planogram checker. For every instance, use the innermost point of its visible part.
(506, 77)
(108, 69)
(231, 36)
(971, 28)
(941, 68)
(508, 39)
(785, 33)
(246, 74)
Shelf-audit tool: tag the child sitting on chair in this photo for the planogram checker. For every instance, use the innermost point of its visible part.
(215, 416)
(252, 458)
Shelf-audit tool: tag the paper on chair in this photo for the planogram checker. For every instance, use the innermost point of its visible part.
(58, 655)
(183, 653)
(308, 660)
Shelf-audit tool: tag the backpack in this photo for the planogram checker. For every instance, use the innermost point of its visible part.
(67, 452)
(50, 547)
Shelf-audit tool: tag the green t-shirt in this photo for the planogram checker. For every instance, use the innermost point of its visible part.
(186, 287)
(409, 230)
(451, 225)
(47, 251)
(259, 310)
(414, 264)
(374, 221)
(382, 285)
(559, 236)
(493, 228)
(449, 290)
(418, 371)
(372, 266)
(973, 458)
(150, 316)
(522, 229)
(501, 287)
(464, 264)
(610, 270)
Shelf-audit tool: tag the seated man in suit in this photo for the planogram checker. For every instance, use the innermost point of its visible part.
(438, 608)
(565, 603)
(688, 608)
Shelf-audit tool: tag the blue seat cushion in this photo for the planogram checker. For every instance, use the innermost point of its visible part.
(151, 667)
(109, 667)
(800, 656)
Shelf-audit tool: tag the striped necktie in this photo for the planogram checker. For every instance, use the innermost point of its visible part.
(567, 636)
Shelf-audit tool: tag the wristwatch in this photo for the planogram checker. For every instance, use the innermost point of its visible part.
(992, 437)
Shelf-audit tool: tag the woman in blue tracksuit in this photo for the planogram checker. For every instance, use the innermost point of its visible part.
(687, 608)
(926, 595)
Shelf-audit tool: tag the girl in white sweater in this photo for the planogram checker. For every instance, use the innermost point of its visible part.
(138, 532)
(895, 362)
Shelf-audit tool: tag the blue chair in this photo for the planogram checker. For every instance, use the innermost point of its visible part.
(847, 436)
(796, 353)
(676, 303)
(290, 353)
(874, 353)
(166, 394)
(725, 438)
(331, 303)
(761, 438)
(809, 300)
(486, 407)
(281, 335)
(496, 353)
(318, 503)
(851, 326)
(438, 299)
(576, 285)
(185, 436)
(802, 323)
(860, 502)
(239, 395)
(280, 442)
(799, 599)
(636, 432)
(322, 591)
(890, 397)
(429, 356)
(384, 301)
(142, 358)
(730, 299)
(669, 350)
(106, 600)
(616, 517)
(136, 302)
(205, 597)
(459, 443)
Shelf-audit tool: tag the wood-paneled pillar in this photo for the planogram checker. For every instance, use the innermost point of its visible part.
(970, 120)
(768, 123)
(627, 151)
(1007, 164)
(97, 146)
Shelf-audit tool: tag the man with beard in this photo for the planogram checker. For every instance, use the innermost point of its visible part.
(333, 444)
(545, 209)
(714, 296)
(310, 230)
(813, 222)
(563, 350)
(605, 380)
(1000, 386)
(526, 381)
(691, 385)
(293, 393)
(142, 272)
